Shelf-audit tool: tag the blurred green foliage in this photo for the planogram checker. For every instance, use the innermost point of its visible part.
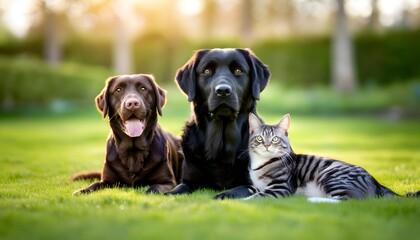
(303, 61)
(386, 58)
(392, 101)
(381, 59)
(387, 66)
(28, 81)
(31, 84)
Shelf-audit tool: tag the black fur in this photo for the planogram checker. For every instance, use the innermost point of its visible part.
(215, 139)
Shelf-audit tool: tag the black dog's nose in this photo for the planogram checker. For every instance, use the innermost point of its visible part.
(223, 90)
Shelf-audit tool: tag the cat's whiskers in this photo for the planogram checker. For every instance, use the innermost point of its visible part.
(286, 159)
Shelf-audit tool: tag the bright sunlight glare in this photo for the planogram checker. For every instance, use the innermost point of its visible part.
(391, 10)
(360, 8)
(16, 16)
(190, 7)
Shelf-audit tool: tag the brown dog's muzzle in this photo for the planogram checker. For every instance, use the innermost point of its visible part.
(133, 116)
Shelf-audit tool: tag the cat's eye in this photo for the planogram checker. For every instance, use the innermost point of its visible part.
(207, 72)
(259, 139)
(238, 71)
(275, 140)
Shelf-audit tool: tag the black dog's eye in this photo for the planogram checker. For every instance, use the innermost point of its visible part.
(207, 72)
(238, 71)
(118, 90)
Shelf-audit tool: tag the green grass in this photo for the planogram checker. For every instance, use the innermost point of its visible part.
(38, 154)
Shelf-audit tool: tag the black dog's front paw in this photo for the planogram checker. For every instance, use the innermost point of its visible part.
(238, 192)
(224, 195)
(180, 189)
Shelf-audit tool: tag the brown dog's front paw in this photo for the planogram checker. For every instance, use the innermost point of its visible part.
(80, 192)
(93, 187)
(153, 190)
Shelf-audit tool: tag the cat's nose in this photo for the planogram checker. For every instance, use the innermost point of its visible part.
(266, 146)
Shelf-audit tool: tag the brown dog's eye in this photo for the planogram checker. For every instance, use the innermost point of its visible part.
(238, 71)
(207, 72)
(143, 89)
(118, 90)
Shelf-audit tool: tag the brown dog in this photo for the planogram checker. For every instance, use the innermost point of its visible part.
(138, 151)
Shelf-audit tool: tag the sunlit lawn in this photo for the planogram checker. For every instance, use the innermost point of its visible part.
(38, 154)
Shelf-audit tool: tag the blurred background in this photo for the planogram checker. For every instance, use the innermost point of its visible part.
(326, 56)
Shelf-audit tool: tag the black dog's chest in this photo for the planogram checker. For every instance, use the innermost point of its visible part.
(214, 173)
(224, 176)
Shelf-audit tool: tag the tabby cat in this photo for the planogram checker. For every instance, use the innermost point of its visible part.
(276, 171)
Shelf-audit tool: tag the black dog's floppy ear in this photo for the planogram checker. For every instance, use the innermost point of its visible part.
(185, 76)
(160, 94)
(260, 75)
(102, 100)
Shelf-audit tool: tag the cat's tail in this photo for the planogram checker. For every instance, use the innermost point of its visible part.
(91, 175)
(386, 192)
(412, 194)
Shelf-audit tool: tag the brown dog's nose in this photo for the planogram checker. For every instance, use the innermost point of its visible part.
(223, 90)
(132, 103)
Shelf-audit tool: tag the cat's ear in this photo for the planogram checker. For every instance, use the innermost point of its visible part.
(285, 123)
(254, 123)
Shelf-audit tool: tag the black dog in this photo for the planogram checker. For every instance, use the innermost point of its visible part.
(223, 85)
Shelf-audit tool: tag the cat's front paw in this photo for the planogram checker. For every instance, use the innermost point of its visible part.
(253, 196)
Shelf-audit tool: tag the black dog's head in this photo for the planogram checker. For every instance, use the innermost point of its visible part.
(132, 102)
(224, 79)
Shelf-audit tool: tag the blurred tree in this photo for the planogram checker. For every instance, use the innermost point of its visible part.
(122, 45)
(343, 70)
(209, 13)
(374, 16)
(282, 14)
(171, 43)
(115, 13)
(246, 21)
(52, 34)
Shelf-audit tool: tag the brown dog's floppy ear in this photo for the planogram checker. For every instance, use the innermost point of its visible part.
(260, 75)
(160, 94)
(161, 100)
(102, 100)
(185, 76)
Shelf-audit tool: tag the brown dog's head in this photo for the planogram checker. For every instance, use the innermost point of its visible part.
(223, 78)
(131, 101)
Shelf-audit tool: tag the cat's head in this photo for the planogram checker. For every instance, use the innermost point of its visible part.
(269, 141)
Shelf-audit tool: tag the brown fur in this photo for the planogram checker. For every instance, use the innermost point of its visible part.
(152, 159)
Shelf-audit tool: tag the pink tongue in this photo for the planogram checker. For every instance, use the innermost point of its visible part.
(134, 127)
